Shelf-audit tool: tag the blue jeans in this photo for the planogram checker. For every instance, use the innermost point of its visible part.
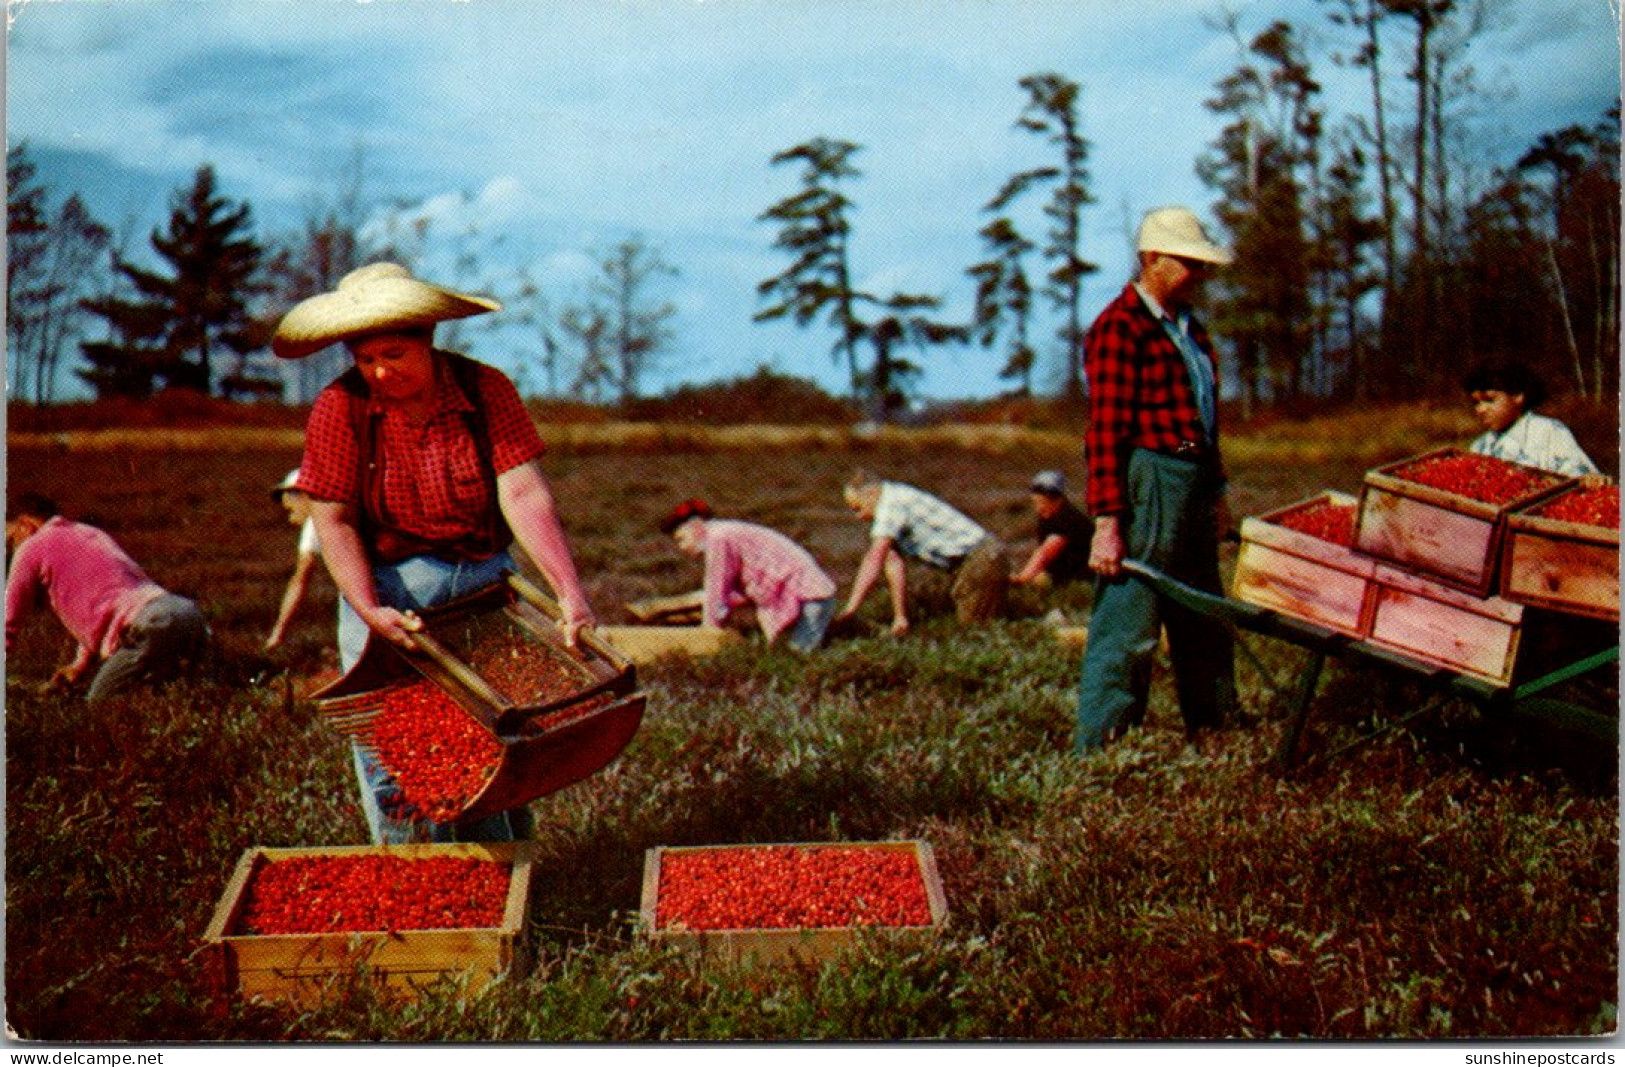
(415, 583)
(158, 642)
(1172, 525)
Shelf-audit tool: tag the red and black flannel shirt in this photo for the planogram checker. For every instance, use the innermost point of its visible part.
(1140, 395)
(435, 486)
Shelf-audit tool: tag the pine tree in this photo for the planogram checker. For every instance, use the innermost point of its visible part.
(178, 320)
(814, 229)
(1004, 300)
(1052, 112)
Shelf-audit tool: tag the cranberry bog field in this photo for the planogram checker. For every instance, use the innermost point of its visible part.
(1457, 878)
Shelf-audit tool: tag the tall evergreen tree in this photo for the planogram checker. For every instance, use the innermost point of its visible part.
(1051, 112)
(813, 228)
(26, 232)
(1260, 165)
(202, 302)
(1004, 300)
(814, 231)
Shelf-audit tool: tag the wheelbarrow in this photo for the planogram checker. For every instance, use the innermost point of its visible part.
(1531, 696)
(556, 713)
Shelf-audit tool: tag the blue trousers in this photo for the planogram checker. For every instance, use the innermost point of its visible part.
(419, 582)
(1171, 524)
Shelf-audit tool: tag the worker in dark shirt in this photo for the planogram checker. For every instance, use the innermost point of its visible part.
(1064, 531)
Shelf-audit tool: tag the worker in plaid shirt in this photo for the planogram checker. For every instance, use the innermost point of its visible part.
(422, 469)
(909, 522)
(1155, 488)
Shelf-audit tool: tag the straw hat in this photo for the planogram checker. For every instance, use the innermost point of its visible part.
(375, 298)
(1175, 231)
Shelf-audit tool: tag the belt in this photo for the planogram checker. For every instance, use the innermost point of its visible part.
(1192, 451)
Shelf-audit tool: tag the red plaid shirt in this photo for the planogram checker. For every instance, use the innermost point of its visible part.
(1140, 395)
(434, 485)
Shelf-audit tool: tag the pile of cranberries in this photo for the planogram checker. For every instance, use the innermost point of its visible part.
(769, 887)
(321, 894)
(1589, 507)
(1482, 478)
(520, 669)
(1325, 520)
(439, 754)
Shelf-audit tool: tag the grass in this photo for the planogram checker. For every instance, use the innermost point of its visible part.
(1456, 880)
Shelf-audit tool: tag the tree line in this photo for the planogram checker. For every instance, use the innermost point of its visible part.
(203, 317)
(1367, 242)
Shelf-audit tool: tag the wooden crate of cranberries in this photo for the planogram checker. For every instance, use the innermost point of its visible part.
(1300, 561)
(1442, 514)
(296, 925)
(803, 902)
(1563, 553)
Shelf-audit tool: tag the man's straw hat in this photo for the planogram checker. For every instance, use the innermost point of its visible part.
(1175, 231)
(376, 298)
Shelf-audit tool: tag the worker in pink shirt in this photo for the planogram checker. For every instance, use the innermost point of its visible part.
(750, 564)
(135, 628)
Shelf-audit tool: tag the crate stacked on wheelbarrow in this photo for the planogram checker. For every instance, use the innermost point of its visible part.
(1437, 522)
(489, 710)
(1415, 564)
(1301, 561)
(1562, 552)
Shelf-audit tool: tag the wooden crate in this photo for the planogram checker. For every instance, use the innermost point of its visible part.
(646, 644)
(300, 968)
(1440, 625)
(808, 944)
(1304, 576)
(1566, 566)
(1443, 535)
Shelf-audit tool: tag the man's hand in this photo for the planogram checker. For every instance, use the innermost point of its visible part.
(1106, 548)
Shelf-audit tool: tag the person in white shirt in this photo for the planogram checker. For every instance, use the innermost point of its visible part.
(906, 522)
(297, 505)
(1505, 395)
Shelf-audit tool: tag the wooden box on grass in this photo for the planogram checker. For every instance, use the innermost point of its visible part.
(1435, 532)
(803, 944)
(1565, 566)
(1305, 576)
(1440, 625)
(648, 644)
(300, 968)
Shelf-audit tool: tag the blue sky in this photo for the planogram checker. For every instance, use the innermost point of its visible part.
(554, 127)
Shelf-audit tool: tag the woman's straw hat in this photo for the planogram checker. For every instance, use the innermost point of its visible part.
(375, 298)
(1175, 231)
